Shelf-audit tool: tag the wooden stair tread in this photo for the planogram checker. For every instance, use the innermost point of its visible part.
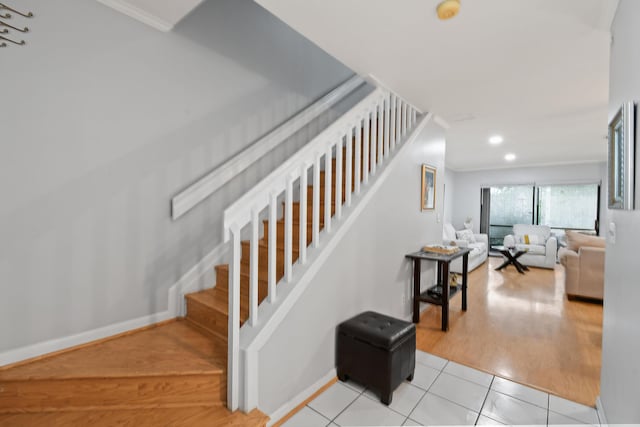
(174, 348)
(212, 299)
(175, 417)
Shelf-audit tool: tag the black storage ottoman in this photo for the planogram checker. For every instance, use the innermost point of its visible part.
(377, 351)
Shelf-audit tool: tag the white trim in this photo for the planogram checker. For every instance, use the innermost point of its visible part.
(442, 122)
(532, 165)
(282, 411)
(207, 185)
(191, 281)
(253, 339)
(138, 14)
(601, 414)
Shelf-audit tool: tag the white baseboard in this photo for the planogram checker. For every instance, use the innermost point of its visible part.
(279, 413)
(601, 414)
(193, 280)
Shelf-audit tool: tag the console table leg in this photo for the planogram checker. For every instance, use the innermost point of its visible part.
(465, 270)
(445, 296)
(416, 291)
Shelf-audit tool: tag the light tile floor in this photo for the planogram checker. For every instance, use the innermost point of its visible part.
(442, 393)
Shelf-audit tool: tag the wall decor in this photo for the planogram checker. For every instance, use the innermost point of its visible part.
(428, 188)
(621, 159)
(7, 13)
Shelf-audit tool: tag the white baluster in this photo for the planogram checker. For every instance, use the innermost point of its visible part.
(382, 128)
(414, 116)
(410, 118)
(328, 157)
(339, 178)
(316, 202)
(387, 123)
(365, 148)
(404, 118)
(253, 267)
(302, 246)
(398, 122)
(374, 142)
(273, 242)
(348, 162)
(233, 333)
(358, 155)
(393, 125)
(288, 230)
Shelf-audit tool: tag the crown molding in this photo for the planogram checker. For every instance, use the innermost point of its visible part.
(138, 14)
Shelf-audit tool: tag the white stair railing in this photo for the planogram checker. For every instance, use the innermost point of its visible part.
(390, 118)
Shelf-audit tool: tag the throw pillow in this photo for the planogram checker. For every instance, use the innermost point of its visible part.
(530, 239)
(466, 235)
(577, 240)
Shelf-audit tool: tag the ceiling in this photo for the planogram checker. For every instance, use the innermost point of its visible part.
(162, 15)
(535, 71)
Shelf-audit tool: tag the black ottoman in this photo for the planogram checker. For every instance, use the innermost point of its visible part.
(377, 351)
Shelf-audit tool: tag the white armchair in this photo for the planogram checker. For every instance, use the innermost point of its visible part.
(479, 248)
(541, 246)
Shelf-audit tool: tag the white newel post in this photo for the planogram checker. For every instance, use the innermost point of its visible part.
(365, 148)
(253, 267)
(233, 333)
(328, 157)
(348, 162)
(288, 230)
(316, 201)
(339, 178)
(302, 246)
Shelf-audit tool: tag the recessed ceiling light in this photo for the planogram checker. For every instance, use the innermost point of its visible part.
(495, 140)
(509, 157)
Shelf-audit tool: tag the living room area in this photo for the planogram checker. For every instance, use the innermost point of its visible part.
(541, 327)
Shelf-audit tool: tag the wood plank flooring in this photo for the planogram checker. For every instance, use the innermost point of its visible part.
(522, 327)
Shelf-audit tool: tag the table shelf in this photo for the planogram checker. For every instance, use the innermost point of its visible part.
(426, 297)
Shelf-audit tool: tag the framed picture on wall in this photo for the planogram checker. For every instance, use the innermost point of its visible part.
(622, 132)
(428, 188)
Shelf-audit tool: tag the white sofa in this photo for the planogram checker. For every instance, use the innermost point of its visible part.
(542, 250)
(479, 249)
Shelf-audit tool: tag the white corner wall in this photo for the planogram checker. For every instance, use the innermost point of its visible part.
(449, 194)
(620, 374)
(467, 185)
(366, 271)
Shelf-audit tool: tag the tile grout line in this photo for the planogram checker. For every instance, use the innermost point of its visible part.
(347, 407)
(548, 407)
(427, 390)
(485, 400)
(317, 412)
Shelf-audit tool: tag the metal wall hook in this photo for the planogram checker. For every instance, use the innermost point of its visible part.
(24, 30)
(3, 45)
(13, 41)
(7, 16)
(5, 31)
(4, 6)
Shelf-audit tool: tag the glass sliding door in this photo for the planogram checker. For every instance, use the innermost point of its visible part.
(573, 207)
(510, 205)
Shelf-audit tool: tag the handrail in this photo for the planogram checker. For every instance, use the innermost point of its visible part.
(368, 134)
(240, 211)
(208, 184)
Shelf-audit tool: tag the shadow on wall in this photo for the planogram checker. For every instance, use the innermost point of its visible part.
(228, 27)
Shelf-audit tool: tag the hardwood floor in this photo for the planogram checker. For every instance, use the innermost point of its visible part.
(522, 327)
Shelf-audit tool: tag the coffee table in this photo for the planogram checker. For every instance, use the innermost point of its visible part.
(511, 258)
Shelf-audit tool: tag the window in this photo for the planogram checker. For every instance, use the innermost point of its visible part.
(568, 206)
(560, 207)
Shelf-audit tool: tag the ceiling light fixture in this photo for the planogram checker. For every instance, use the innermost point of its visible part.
(495, 140)
(509, 157)
(448, 9)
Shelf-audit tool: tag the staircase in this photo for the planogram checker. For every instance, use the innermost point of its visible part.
(185, 372)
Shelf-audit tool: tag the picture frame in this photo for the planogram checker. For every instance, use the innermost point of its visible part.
(621, 158)
(428, 193)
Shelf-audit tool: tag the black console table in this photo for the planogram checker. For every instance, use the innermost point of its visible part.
(441, 292)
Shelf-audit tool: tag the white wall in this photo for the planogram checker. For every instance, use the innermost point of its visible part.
(467, 185)
(366, 271)
(620, 374)
(449, 194)
(104, 120)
